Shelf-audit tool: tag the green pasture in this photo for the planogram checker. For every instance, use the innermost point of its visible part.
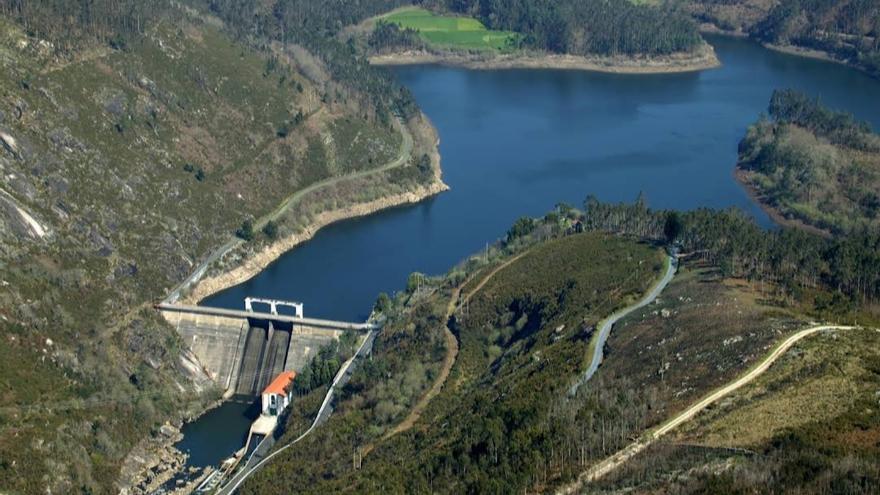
(457, 32)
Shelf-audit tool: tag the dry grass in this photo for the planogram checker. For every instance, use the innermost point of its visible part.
(702, 332)
(817, 381)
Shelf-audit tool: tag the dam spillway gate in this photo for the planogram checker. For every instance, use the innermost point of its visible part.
(242, 351)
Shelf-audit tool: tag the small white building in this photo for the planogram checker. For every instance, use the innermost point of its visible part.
(276, 397)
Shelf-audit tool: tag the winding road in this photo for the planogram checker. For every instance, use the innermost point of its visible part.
(406, 147)
(455, 302)
(617, 459)
(598, 342)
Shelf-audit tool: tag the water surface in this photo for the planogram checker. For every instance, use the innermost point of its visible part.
(517, 142)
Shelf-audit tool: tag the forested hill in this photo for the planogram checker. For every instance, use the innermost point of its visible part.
(586, 27)
(71, 26)
(813, 164)
(135, 138)
(848, 30)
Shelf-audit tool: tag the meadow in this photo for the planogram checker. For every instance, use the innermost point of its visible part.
(451, 31)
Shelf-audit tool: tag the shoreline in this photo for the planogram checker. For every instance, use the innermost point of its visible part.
(419, 132)
(789, 49)
(703, 59)
(252, 267)
(709, 28)
(811, 53)
(742, 177)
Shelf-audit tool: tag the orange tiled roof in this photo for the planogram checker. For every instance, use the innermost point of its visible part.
(280, 383)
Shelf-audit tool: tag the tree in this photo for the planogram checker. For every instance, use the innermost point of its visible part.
(521, 228)
(270, 230)
(673, 227)
(246, 231)
(383, 303)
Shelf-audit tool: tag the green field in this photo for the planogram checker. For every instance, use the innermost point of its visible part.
(448, 31)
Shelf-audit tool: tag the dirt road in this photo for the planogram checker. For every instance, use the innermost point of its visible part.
(616, 460)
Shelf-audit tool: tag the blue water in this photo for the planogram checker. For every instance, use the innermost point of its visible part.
(517, 142)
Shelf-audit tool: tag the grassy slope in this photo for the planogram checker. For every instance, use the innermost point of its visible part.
(522, 341)
(809, 424)
(450, 31)
(702, 332)
(103, 148)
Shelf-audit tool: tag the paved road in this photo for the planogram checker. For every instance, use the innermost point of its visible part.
(259, 457)
(608, 323)
(611, 463)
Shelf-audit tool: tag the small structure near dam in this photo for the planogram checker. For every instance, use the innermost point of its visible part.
(243, 350)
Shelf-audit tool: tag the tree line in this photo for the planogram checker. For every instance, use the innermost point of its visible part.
(70, 23)
(584, 27)
(388, 35)
(815, 164)
(790, 106)
(315, 24)
(846, 268)
(849, 29)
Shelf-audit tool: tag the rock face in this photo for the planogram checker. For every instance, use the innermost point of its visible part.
(155, 465)
(9, 143)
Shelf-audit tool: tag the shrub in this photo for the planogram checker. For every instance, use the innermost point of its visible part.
(270, 230)
(246, 231)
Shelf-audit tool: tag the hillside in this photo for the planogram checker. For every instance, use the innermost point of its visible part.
(808, 425)
(847, 31)
(523, 316)
(503, 420)
(131, 148)
(811, 165)
(522, 342)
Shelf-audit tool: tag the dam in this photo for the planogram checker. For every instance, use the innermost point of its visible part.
(242, 351)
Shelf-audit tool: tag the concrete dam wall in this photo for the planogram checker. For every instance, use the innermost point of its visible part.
(242, 355)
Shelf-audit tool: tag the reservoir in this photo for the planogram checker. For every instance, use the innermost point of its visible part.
(518, 142)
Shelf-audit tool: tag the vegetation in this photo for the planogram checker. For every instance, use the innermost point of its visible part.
(246, 231)
(845, 29)
(833, 277)
(389, 36)
(586, 27)
(323, 367)
(813, 164)
(808, 425)
(270, 230)
(314, 24)
(146, 136)
(443, 31)
(522, 341)
(70, 24)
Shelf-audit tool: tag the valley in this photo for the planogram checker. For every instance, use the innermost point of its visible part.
(619, 280)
